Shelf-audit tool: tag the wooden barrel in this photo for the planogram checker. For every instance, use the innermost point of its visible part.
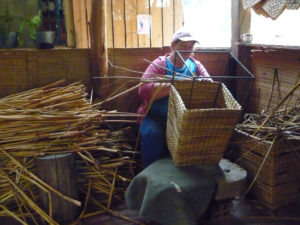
(59, 171)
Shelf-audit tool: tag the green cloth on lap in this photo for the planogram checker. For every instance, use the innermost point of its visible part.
(169, 194)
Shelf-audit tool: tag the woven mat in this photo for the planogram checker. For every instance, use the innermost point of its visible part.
(293, 4)
(274, 8)
(271, 8)
(249, 3)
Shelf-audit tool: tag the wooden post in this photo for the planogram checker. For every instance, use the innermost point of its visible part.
(235, 10)
(244, 53)
(99, 61)
(68, 7)
(59, 171)
(241, 20)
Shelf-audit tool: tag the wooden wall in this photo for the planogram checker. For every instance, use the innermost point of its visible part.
(26, 69)
(166, 18)
(216, 63)
(276, 69)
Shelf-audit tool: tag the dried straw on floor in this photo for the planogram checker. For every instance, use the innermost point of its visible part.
(56, 119)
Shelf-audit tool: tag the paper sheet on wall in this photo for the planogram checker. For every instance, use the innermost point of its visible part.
(143, 23)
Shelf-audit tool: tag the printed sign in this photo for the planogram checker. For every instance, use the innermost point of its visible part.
(143, 23)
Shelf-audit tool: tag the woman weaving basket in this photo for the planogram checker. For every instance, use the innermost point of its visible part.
(153, 127)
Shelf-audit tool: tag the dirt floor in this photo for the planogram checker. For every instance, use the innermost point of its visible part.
(246, 212)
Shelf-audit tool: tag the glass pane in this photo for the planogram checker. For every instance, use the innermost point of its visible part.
(282, 31)
(210, 20)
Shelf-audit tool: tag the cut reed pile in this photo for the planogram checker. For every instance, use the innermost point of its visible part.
(57, 119)
(284, 123)
(267, 146)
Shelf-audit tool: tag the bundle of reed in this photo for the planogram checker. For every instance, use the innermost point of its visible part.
(56, 119)
(109, 179)
(284, 123)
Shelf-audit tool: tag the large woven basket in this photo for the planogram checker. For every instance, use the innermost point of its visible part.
(281, 166)
(201, 120)
(278, 181)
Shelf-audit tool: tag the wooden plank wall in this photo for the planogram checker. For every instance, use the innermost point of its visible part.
(264, 62)
(25, 69)
(132, 59)
(21, 70)
(80, 10)
(274, 69)
(166, 18)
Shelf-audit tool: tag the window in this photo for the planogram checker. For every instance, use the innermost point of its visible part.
(209, 20)
(282, 31)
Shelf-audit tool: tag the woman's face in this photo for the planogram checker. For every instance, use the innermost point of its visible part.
(187, 46)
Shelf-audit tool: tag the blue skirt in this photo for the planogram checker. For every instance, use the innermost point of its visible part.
(153, 132)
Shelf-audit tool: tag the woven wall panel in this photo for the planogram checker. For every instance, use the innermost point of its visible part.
(21, 70)
(263, 66)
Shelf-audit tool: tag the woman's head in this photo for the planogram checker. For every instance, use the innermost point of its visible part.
(184, 42)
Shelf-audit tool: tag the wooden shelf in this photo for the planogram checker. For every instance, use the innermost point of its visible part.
(268, 46)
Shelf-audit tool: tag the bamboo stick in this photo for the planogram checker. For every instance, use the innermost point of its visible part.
(11, 214)
(39, 180)
(280, 103)
(30, 202)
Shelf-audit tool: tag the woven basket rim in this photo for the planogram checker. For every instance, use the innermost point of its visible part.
(252, 136)
(239, 108)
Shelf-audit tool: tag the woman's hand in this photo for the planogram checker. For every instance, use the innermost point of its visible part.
(161, 90)
(205, 79)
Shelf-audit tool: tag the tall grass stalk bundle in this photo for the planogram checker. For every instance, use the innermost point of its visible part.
(56, 119)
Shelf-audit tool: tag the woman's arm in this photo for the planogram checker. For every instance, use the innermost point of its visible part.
(148, 89)
(201, 71)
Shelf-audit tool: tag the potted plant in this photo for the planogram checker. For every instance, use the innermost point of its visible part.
(42, 38)
(8, 37)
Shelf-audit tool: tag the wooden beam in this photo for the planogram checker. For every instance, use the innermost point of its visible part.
(131, 25)
(156, 32)
(69, 18)
(168, 23)
(235, 10)
(118, 23)
(109, 24)
(178, 15)
(79, 11)
(88, 4)
(99, 60)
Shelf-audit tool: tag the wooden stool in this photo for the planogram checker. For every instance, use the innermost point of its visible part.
(59, 171)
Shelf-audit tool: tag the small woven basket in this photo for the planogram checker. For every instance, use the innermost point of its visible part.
(201, 120)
